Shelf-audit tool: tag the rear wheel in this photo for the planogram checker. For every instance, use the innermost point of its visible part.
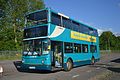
(69, 65)
(93, 61)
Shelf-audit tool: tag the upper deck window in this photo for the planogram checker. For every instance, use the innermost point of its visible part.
(76, 26)
(67, 23)
(84, 29)
(37, 18)
(56, 19)
(93, 32)
(87, 30)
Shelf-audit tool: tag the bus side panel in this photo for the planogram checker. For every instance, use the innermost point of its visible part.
(78, 58)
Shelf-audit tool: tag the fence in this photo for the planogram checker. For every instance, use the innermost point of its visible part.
(109, 51)
(10, 55)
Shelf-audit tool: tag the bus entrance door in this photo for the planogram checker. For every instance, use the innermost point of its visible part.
(57, 53)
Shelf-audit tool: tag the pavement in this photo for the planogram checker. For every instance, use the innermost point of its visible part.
(108, 68)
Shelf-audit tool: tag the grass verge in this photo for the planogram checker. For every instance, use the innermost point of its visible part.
(10, 57)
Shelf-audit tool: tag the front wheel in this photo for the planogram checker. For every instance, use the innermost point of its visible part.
(69, 65)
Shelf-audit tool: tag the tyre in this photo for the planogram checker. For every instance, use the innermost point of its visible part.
(92, 60)
(69, 65)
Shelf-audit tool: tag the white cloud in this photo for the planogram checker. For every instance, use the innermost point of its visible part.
(119, 4)
(100, 31)
(116, 34)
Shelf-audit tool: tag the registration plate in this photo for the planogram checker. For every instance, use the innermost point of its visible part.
(31, 67)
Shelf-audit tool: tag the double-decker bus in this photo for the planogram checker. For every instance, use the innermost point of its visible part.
(54, 41)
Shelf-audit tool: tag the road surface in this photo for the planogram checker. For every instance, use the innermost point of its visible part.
(108, 68)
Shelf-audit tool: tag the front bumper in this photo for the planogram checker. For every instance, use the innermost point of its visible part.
(34, 67)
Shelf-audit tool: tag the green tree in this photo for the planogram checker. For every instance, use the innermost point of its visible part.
(118, 42)
(12, 21)
(108, 41)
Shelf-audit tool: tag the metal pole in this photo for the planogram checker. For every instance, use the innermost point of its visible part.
(109, 44)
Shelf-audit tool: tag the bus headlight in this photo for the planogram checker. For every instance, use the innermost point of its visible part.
(25, 53)
(29, 53)
(42, 61)
(23, 61)
(35, 53)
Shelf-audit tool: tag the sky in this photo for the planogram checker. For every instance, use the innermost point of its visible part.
(101, 14)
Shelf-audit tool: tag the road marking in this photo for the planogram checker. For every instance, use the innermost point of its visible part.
(75, 76)
(104, 66)
(89, 71)
(98, 68)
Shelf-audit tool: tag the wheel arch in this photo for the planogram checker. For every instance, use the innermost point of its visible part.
(70, 59)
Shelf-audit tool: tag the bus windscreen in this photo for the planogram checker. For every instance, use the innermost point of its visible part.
(35, 32)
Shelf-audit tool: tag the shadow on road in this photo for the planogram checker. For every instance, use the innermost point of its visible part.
(113, 69)
(18, 63)
(110, 66)
(38, 71)
(116, 60)
(101, 65)
(107, 66)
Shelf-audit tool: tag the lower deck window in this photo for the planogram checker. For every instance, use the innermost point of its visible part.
(93, 48)
(68, 47)
(77, 48)
(84, 48)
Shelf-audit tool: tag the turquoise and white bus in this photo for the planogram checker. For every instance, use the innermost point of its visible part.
(55, 41)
